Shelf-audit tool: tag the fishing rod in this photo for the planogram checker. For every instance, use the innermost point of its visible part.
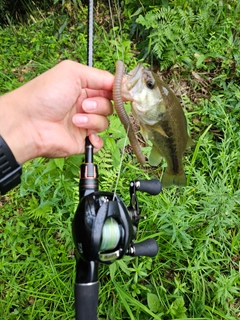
(104, 229)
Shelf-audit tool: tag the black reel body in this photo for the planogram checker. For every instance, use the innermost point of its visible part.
(102, 228)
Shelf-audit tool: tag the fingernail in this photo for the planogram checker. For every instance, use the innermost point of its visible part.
(79, 119)
(89, 105)
(95, 137)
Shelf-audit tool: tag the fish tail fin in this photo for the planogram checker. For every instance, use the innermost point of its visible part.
(170, 179)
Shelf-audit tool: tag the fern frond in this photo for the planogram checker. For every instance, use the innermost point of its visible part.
(184, 29)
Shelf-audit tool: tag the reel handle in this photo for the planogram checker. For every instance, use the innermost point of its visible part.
(153, 187)
(147, 248)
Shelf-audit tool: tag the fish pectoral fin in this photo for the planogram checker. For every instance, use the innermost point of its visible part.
(190, 142)
(160, 130)
(144, 133)
(155, 157)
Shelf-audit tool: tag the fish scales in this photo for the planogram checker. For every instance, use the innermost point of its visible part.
(162, 121)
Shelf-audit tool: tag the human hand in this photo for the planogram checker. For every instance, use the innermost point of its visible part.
(52, 114)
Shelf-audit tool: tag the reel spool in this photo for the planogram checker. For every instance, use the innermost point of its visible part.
(111, 234)
(102, 228)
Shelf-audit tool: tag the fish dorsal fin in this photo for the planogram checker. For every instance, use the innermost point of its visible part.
(155, 157)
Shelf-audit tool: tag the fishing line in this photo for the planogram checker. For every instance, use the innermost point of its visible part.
(118, 12)
(113, 26)
(120, 167)
(117, 9)
(111, 235)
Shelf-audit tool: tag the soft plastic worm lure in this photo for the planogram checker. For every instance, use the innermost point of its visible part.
(117, 98)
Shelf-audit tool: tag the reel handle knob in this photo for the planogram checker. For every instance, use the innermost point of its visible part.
(153, 187)
(147, 248)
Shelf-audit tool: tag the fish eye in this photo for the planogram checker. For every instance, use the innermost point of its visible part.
(150, 83)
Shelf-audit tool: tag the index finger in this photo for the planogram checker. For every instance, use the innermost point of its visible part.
(96, 79)
(90, 93)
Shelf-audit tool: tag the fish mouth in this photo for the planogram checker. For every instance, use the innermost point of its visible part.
(130, 80)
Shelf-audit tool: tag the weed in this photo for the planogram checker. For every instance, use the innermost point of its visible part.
(196, 272)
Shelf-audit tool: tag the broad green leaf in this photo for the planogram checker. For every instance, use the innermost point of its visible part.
(59, 162)
(153, 302)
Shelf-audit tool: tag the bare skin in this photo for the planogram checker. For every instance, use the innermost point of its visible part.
(51, 115)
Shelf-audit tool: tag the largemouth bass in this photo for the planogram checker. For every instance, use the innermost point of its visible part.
(161, 119)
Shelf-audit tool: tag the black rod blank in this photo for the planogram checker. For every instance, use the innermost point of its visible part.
(90, 33)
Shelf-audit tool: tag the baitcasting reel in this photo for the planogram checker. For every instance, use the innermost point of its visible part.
(104, 230)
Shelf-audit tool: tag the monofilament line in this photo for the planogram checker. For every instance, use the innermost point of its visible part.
(115, 38)
(113, 25)
(120, 166)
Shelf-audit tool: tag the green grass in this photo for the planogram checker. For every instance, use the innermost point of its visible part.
(196, 273)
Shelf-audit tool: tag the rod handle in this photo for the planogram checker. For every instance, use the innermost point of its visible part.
(86, 300)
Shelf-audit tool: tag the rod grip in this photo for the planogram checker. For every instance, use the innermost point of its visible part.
(86, 300)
